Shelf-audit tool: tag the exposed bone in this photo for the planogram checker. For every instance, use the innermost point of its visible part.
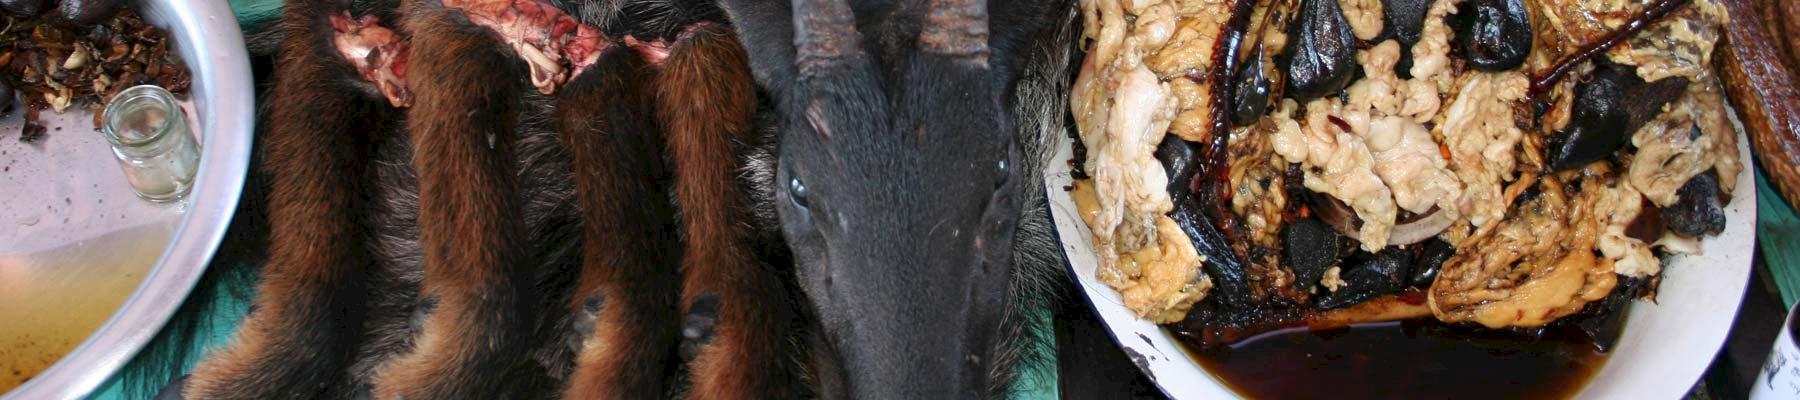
(553, 44)
(378, 53)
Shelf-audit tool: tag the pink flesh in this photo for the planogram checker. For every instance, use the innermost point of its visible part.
(554, 45)
(378, 54)
(657, 51)
(654, 52)
(551, 42)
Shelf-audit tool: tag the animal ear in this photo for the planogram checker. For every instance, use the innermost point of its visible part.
(766, 31)
(956, 30)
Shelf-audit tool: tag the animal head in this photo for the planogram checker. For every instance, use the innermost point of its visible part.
(899, 180)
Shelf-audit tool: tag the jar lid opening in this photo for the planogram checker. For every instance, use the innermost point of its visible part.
(139, 115)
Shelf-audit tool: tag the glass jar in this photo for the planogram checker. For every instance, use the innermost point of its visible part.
(150, 137)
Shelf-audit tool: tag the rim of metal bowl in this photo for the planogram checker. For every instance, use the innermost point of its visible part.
(213, 47)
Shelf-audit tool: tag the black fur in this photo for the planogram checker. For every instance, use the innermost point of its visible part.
(872, 174)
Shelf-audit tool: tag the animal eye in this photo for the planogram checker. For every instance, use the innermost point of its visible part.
(1004, 172)
(797, 192)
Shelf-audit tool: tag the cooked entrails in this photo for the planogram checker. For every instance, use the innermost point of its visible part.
(1264, 164)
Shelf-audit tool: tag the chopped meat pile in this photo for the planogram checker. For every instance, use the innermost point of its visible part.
(1396, 158)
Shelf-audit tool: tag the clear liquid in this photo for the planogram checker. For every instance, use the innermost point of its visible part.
(161, 169)
(164, 176)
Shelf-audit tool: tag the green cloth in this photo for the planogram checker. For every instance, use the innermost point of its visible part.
(1778, 234)
(224, 315)
(253, 15)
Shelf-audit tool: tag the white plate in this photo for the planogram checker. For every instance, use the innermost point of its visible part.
(68, 219)
(1665, 348)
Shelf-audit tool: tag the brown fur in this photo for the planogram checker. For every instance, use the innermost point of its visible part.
(705, 101)
(628, 256)
(336, 298)
(307, 314)
(462, 127)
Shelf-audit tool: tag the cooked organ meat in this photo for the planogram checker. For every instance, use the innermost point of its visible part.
(1123, 111)
(1609, 106)
(1159, 279)
(1322, 56)
(1259, 165)
(1537, 265)
(1495, 35)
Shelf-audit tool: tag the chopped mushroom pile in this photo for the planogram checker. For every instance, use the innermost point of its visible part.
(57, 64)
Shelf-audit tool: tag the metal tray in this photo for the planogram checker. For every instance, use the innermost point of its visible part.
(74, 240)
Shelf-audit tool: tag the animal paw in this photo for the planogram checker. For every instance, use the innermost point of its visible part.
(583, 323)
(422, 311)
(699, 326)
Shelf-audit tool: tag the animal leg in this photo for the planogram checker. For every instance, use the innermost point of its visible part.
(735, 317)
(628, 284)
(465, 88)
(303, 330)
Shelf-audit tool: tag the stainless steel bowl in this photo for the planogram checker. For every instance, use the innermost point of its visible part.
(66, 198)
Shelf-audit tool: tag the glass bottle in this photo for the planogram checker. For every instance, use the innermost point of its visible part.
(150, 137)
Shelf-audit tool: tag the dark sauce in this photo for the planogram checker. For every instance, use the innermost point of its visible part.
(1406, 360)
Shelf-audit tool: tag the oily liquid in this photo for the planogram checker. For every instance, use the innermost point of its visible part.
(1415, 359)
(51, 301)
